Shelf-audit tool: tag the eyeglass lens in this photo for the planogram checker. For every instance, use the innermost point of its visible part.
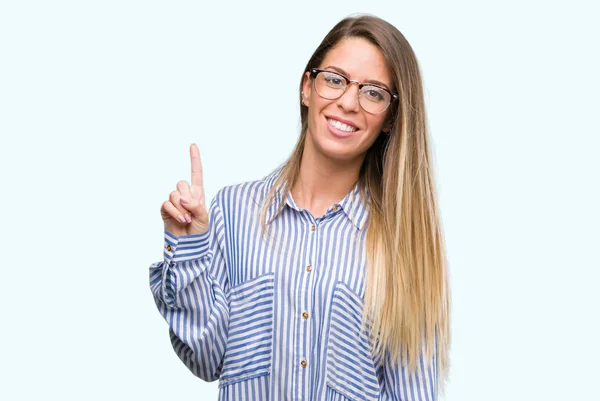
(331, 85)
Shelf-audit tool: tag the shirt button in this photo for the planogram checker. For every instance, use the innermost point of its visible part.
(305, 315)
(308, 268)
(303, 363)
(313, 228)
(169, 248)
(335, 208)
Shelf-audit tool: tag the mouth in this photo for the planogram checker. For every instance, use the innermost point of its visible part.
(340, 128)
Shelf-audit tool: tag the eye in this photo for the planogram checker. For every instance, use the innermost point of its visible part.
(334, 80)
(374, 94)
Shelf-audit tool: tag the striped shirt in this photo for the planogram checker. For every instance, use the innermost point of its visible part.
(278, 317)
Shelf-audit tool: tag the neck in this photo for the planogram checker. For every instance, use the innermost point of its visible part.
(323, 181)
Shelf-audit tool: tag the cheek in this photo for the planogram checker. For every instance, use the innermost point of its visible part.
(374, 127)
(315, 112)
(312, 119)
(375, 124)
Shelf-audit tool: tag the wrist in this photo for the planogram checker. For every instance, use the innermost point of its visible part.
(185, 247)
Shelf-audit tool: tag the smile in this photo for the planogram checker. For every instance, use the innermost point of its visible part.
(341, 126)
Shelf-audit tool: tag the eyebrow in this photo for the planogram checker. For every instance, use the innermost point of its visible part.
(368, 81)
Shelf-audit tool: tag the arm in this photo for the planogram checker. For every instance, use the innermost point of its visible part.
(402, 385)
(191, 288)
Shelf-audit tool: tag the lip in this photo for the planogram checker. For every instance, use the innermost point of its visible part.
(339, 133)
(350, 123)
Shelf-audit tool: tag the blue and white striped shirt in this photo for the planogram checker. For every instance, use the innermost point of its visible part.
(278, 319)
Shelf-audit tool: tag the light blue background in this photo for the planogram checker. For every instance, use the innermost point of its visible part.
(99, 101)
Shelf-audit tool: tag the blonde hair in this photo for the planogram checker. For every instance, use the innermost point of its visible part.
(407, 300)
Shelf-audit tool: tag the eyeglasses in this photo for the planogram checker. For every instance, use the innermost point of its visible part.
(331, 85)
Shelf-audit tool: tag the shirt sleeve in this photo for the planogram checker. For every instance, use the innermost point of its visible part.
(402, 385)
(191, 289)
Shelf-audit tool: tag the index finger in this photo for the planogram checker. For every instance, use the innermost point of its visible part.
(196, 165)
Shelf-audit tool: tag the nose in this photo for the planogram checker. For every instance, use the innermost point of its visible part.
(349, 100)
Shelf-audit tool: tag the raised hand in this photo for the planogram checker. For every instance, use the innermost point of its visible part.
(185, 212)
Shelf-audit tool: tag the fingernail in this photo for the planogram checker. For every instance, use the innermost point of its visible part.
(188, 218)
(180, 217)
(183, 200)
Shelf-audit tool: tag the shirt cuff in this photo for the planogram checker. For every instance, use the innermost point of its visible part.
(185, 247)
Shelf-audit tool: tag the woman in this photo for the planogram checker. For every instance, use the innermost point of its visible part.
(326, 280)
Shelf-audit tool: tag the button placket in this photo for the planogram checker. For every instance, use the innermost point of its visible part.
(305, 301)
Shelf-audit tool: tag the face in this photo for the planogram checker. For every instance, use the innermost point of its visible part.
(359, 60)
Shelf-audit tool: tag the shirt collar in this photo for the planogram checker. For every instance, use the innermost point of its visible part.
(352, 204)
(269, 182)
(354, 207)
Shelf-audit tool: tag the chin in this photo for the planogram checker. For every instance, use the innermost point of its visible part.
(336, 151)
(324, 143)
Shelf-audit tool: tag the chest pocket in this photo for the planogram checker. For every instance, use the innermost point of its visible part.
(350, 367)
(250, 335)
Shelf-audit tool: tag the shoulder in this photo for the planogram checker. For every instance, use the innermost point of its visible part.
(246, 194)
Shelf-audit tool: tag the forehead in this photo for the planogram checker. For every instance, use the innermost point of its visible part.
(360, 59)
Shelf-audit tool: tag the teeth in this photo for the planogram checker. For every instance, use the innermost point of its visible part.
(341, 126)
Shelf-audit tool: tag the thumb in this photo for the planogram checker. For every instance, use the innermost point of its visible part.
(191, 205)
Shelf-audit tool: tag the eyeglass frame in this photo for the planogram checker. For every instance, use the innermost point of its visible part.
(315, 71)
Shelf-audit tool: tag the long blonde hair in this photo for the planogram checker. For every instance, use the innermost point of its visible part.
(407, 300)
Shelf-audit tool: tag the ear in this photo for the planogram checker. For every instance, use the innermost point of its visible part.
(306, 88)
